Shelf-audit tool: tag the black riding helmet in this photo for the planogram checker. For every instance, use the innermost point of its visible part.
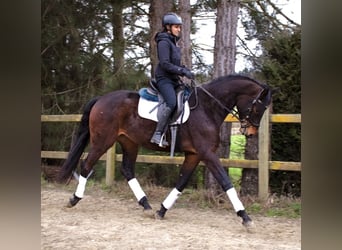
(171, 18)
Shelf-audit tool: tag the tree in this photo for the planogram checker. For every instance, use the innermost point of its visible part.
(67, 63)
(185, 13)
(82, 54)
(279, 66)
(118, 35)
(156, 13)
(72, 62)
(224, 63)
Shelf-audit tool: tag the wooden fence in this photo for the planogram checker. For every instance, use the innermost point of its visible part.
(263, 164)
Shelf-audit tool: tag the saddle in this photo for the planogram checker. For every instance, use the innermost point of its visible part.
(151, 103)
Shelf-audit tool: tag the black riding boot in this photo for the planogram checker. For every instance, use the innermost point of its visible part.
(161, 125)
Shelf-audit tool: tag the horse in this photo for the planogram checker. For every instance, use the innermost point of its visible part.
(113, 117)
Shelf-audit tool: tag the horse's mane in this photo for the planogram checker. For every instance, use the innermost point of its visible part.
(235, 77)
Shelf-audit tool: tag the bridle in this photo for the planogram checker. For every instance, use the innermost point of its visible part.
(244, 121)
(250, 109)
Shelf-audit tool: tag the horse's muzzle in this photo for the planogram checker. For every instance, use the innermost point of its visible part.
(248, 130)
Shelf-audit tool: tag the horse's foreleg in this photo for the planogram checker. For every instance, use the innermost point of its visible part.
(189, 165)
(139, 194)
(223, 179)
(129, 156)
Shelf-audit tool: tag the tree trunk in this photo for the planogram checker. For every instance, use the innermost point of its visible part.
(185, 43)
(225, 37)
(118, 36)
(157, 10)
(224, 64)
(249, 179)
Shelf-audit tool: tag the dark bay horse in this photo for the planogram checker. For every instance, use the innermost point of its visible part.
(113, 117)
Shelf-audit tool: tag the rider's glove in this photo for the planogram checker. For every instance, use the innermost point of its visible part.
(188, 74)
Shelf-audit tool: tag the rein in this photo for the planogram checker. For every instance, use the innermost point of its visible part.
(231, 111)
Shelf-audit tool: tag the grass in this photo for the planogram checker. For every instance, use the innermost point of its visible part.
(285, 207)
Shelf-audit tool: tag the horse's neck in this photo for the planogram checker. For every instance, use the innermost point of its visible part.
(216, 103)
(226, 96)
(228, 92)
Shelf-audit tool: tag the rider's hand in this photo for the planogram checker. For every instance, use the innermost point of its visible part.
(188, 74)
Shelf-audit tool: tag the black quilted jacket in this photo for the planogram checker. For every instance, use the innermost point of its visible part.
(169, 55)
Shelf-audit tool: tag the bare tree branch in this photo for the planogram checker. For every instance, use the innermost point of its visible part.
(281, 13)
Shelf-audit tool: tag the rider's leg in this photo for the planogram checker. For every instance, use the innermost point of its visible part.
(166, 88)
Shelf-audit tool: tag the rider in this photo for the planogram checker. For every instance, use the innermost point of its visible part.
(168, 70)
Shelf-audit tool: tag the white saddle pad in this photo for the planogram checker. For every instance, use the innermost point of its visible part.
(145, 107)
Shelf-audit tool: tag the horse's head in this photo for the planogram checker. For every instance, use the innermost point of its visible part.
(251, 110)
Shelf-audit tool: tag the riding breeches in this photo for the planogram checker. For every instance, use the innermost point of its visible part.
(166, 88)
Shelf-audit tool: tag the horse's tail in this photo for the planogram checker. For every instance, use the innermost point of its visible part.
(81, 141)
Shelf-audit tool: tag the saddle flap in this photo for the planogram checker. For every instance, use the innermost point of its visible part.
(148, 109)
(151, 101)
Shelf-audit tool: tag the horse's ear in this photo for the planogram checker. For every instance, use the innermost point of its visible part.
(266, 94)
(266, 91)
(269, 91)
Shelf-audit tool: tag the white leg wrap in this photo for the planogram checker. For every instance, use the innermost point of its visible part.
(234, 199)
(81, 186)
(171, 198)
(136, 188)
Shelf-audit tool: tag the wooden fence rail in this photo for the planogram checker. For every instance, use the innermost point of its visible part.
(263, 164)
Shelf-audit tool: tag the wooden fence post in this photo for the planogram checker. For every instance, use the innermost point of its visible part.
(263, 163)
(110, 165)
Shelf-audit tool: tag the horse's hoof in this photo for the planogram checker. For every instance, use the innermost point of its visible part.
(158, 216)
(148, 213)
(73, 201)
(249, 225)
(246, 220)
(69, 205)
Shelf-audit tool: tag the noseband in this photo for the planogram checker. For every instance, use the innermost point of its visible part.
(244, 121)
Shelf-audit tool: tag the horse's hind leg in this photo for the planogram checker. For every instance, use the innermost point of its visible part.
(129, 156)
(86, 169)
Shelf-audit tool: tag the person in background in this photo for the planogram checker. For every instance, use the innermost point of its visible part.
(168, 70)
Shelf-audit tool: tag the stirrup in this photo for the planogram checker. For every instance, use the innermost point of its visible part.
(159, 139)
(163, 143)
